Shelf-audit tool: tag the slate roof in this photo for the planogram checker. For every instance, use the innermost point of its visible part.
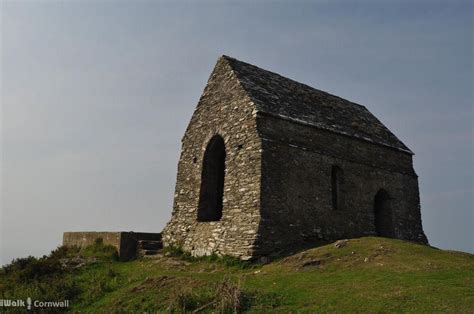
(282, 97)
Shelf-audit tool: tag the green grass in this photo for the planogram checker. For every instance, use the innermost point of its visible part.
(371, 275)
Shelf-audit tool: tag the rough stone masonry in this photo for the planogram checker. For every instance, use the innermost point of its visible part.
(269, 165)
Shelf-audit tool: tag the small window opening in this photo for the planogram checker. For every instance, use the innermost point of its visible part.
(337, 180)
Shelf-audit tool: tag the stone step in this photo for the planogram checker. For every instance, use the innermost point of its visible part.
(149, 241)
(148, 252)
(149, 245)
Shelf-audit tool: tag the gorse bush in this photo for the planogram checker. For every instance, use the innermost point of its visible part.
(63, 252)
(18, 264)
(39, 278)
(26, 270)
(48, 264)
(51, 277)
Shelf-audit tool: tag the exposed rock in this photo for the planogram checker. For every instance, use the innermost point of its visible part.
(76, 262)
(340, 244)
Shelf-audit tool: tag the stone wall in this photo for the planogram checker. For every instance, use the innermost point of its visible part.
(125, 242)
(277, 185)
(225, 110)
(297, 205)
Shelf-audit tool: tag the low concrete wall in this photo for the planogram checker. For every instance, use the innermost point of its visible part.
(125, 242)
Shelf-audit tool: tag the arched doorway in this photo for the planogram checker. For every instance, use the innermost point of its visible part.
(212, 181)
(383, 214)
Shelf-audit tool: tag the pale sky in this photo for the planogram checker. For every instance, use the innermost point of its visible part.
(96, 96)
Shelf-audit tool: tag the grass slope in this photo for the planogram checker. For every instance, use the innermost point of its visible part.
(365, 275)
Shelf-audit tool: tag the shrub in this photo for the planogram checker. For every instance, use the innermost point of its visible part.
(182, 299)
(31, 269)
(229, 297)
(63, 252)
(26, 270)
(18, 264)
(236, 262)
(222, 297)
(176, 251)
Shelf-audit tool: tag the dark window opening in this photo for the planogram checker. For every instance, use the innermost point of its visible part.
(383, 214)
(212, 181)
(337, 180)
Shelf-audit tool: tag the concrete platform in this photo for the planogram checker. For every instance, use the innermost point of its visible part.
(126, 242)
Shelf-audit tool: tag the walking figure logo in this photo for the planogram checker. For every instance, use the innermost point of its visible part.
(28, 303)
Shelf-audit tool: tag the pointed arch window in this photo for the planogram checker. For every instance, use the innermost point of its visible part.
(212, 181)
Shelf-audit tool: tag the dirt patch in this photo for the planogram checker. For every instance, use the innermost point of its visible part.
(170, 263)
(312, 262)
(305, 260)
(154, 283)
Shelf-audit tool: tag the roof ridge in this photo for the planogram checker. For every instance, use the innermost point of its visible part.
(232, 59)
(276, 94)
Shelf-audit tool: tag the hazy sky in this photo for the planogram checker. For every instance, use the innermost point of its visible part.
(96, 96)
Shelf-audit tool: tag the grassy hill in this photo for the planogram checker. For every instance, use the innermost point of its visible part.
(360, 275)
